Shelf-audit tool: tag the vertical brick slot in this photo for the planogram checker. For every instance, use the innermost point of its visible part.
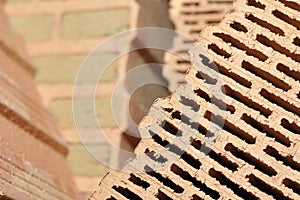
(238, 190)
(186, 176)
(263, 186)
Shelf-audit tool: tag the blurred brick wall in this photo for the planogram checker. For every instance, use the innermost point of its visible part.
(59, 34)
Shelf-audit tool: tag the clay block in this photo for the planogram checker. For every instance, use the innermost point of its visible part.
(256, 154)
(32, 152)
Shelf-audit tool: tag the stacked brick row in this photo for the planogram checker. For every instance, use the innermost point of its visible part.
(59, 34)
(189, 18)
(33, 155)
(256, 156)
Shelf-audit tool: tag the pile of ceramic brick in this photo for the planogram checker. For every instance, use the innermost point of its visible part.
(189, 18)
(32, 154)
(257, 51)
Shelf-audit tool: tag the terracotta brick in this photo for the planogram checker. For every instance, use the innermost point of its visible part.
(33, 28)
(16, 1)
(59, 54)
(63, 69)
(62, 109)
(190, 18)
(82, 163)
(254, 155)
(84, 25)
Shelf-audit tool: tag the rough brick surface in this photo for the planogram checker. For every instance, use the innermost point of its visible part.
(256, 156)
(60, 34)
(33, 155)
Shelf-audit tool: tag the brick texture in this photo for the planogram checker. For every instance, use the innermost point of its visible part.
(256, 156)
(33, 154)
(189, 18)
(59, 34)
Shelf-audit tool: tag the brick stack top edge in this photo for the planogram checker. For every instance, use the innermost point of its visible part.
(189, 18)
(256, 49)
(32, 161)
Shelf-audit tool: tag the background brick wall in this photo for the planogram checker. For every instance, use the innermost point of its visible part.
(58, 35)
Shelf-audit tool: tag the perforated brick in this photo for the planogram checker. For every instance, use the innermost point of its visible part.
(189, 18)
(256, 156)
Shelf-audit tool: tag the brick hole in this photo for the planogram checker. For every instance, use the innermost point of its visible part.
(126, 193)
(220, 2)
(169, 110)
(212, 22)
(184, 119)
(194, 125)
(275, 46)
(176, 150)
(216, 119)
(242, 81)
(165, 181)
(186, 176)
(222, 160)
(111, 198)
(155, 157)
(224, 71)
(196, 197)
(190, 22)
(192, 161)
(280, 102)
(292, 185)
(287, 71)
(182, 62)
(167, 126)
(219, 51)
(198, 31)
(263, 128)
(285, 18)
(266, 76)
(297, 41)
(229, 127)
(162, 196)
(293, 127)
(256, 4)
(266, 188)
(246, 101)
(287, 160)
(189, 102)
(239, 45)
(298, 95)
(200, 12)
(219, 103)
(290, 4)
(208, 79)
(182, 51)
(138, 181)
(264, 168)
(239, 27)
(265, 24)
(237, 189)
(189, 4)
(158, 139)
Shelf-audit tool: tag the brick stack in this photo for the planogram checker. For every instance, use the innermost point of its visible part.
(59, 34)
(189, 18)
(256, 50)
(33, 155)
